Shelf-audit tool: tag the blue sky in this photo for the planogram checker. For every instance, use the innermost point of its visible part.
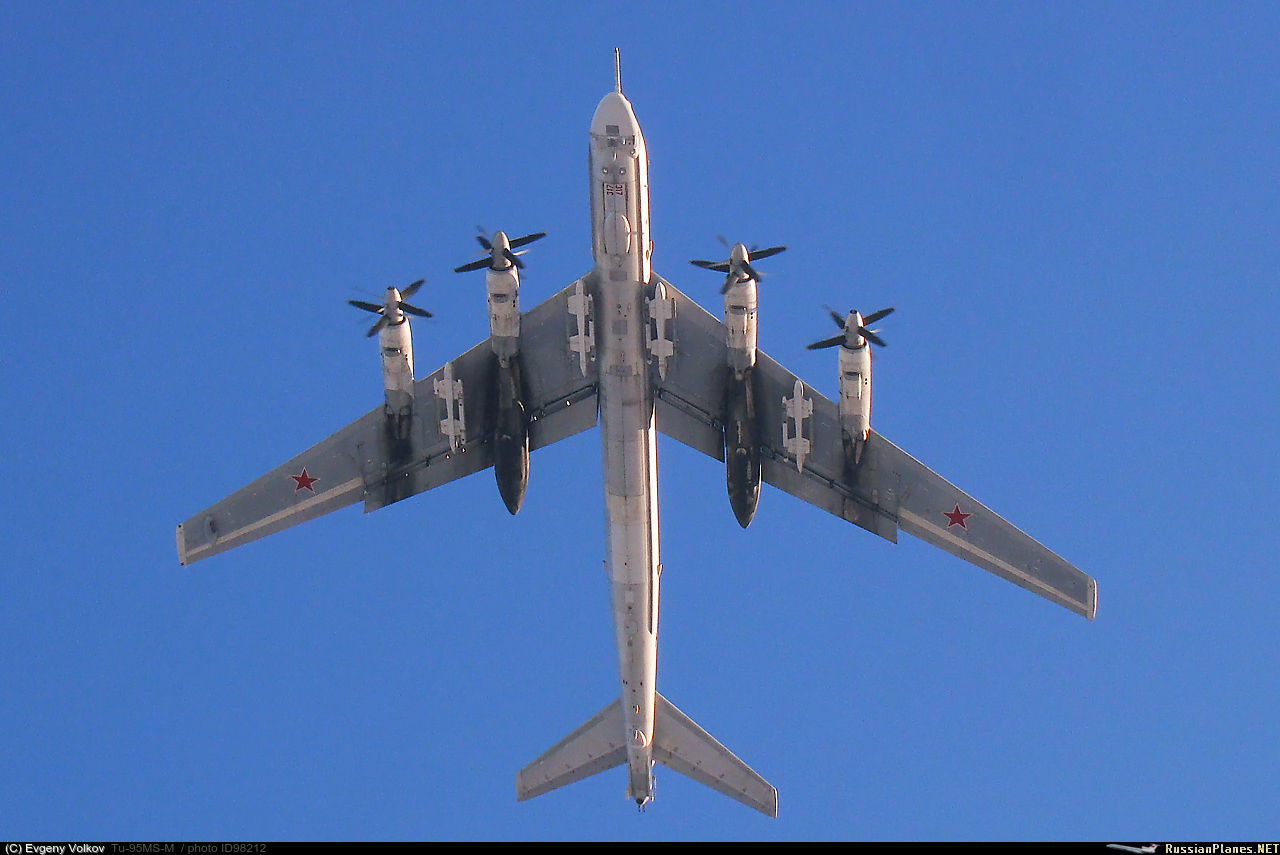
(1074, 208)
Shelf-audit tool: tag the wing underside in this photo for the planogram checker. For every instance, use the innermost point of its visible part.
(451, 436)
(887, 491)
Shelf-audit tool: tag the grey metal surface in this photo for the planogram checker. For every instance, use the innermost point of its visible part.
(620, 229)
(929, 504)
(595, 746)
(680, 745)
(560, 402)
(891, 489)
(356, 463)
(286, 496)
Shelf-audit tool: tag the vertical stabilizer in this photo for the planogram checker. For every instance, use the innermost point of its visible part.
(679, 744)
(594, 747)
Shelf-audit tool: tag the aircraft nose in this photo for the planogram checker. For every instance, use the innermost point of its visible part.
(614, 117)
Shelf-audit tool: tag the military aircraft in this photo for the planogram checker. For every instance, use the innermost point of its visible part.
(623, 347)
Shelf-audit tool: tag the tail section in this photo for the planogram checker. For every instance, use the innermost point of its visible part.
(679, 744)
(598, 745)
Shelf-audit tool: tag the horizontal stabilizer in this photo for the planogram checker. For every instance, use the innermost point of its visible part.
(594, 747)
(679, 744)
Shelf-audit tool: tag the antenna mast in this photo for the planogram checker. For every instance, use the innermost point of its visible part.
(617, 72)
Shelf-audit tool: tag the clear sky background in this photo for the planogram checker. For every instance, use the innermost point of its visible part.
(1074, 207)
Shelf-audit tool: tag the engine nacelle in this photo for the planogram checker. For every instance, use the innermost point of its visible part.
(740, 325)
(511, 436)
(511, 428)
(395, 342)
(741, 437)
(742, 447)
(511, 433)
(855, 400)
(503, 287)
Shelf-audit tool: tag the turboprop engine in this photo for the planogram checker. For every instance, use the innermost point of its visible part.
(741, 439)
(855, 379)
(502, 268)
(395, 343)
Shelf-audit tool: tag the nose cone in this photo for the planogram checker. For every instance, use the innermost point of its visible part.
(614, 117)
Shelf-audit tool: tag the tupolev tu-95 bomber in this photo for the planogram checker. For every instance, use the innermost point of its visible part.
(622, 347)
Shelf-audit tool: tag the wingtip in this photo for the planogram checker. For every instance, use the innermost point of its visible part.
(182, 551)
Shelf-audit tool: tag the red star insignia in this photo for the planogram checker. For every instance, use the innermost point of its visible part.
(956, 517)
(304, 481)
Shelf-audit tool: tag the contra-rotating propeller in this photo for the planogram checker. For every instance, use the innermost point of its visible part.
(854, 326)
(395, 300)
(738, 265)
(499, 251)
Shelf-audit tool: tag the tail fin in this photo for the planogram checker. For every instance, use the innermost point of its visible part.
(597, 745)
(679, 744)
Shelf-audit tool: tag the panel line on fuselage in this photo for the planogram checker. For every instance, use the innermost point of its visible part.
(621, 248)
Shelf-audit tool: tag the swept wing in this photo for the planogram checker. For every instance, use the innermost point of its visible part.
(451, 436)
(803, 454)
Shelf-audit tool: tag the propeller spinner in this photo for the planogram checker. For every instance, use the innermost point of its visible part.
(393, 307)
(499, 252)
(738, 265)
(855, 328)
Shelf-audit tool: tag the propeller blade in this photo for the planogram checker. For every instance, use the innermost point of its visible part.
(484, 242)
(727, 245)
(368, 307)
(409, 292)
(871, 336)
(511, 256)
(875, 316)
(837, 317)
(475, 265)
(765, 253)
(414, 310)
(826, 342)
(729, 282)
(750, 271)
(373, 330)
(718, 266)
(527, 239)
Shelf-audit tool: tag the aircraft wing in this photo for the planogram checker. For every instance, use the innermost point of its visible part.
(892, 490)
(451, 436)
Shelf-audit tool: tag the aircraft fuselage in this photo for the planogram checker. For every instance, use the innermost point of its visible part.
(621, 248)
